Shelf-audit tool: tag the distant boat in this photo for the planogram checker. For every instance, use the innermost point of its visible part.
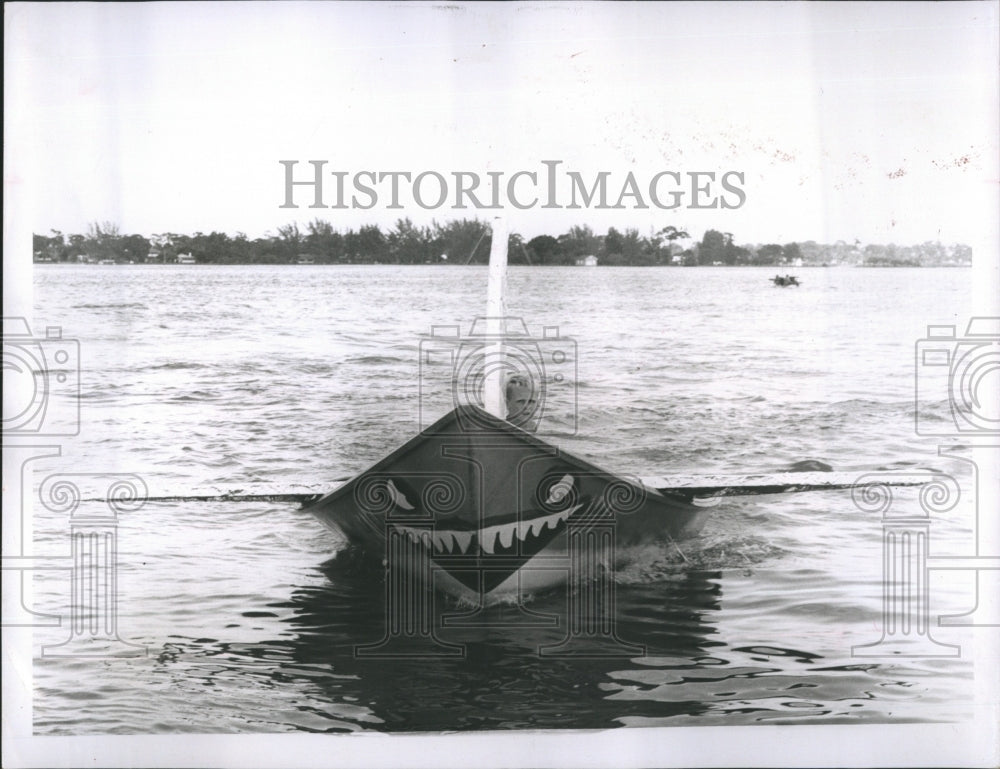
(305, 260)
(785, 280)
(106, 261)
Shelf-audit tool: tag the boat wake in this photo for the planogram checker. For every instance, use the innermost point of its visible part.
(666, 560)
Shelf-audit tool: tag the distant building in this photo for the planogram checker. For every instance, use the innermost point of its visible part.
(154, 256)
(185, 259)
(587, 261)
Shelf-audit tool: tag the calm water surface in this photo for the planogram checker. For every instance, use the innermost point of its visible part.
(221, 378)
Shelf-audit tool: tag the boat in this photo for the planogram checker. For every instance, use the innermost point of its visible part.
(494, 507)
(785, 280)
(485, 503)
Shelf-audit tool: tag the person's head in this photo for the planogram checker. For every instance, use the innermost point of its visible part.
(522, 399)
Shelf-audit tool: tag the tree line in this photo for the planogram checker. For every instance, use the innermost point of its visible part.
(468, 240)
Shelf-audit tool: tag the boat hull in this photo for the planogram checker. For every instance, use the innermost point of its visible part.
(480, 507)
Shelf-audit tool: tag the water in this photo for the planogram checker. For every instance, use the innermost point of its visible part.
(222, 378)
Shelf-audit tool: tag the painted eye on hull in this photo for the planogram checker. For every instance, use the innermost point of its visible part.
(559, 490)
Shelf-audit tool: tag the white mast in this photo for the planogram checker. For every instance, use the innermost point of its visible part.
(494, 384)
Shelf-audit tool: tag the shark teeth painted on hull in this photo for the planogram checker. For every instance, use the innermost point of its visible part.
(491, 538)
(488, 541)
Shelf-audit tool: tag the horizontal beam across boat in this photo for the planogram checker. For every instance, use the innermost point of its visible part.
(299, 493)
(778, 483)
(693, 485)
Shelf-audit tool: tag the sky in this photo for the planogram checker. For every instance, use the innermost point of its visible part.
(868, 121)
